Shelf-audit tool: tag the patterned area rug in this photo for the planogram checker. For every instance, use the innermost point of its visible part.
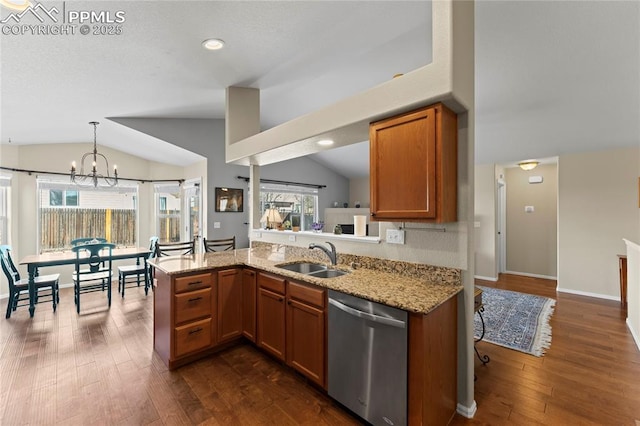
(516, 320)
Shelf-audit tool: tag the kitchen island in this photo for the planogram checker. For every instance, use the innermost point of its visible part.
(206, 302)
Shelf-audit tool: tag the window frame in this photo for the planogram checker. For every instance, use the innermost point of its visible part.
(48, 183)
(305, 195)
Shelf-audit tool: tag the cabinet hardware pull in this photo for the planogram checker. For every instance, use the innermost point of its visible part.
(197, 330)
(372, 214)
(195, 299)
(288, 302)
(195, 283)
(280, 299)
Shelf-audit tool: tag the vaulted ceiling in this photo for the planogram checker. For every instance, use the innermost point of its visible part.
(551, 77)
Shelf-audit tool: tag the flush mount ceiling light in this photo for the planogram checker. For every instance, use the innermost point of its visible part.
(94, 177)
(213, 44)
(528, 165)
(325, 142)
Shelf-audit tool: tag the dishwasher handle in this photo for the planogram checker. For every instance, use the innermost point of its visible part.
(365, 315)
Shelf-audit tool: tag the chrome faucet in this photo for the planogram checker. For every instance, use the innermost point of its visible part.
(333, 256)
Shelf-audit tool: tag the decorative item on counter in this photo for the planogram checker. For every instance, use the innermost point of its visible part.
(345, 205)
(357, 204)
(359, 225)
(336, 204)
(286, 225)
(317, 226)
(295, 228)
(338, 229)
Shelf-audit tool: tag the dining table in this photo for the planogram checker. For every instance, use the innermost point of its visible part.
(36, 261)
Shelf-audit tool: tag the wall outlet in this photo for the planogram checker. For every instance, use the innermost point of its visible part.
(257, 234)
(216, 225)
(292, 238)
(395, 236)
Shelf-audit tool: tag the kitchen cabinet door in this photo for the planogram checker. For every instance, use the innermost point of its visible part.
(229, 304)
(249, 304)
(271, 319)
(306, 342)
(413, 162)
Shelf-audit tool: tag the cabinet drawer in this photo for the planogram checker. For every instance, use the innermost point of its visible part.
(192, 305)
(304, 293)
(192, 282)
(193, 336)
(275, 284)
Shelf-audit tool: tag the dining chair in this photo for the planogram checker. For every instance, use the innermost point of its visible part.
(99, 272)
(87, 240)
(225, 244)
(45, 285)
(138, 270)
(175, 249)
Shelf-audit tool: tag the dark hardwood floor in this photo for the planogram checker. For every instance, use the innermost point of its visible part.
(99, 368)
(589, 376)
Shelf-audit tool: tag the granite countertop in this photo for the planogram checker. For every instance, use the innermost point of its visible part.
(414, 294)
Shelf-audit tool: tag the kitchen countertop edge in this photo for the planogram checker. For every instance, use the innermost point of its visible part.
(412, 294)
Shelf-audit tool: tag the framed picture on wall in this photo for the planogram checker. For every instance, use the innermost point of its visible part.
(229, 200)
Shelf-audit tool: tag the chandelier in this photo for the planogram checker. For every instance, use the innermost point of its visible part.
(92, 177)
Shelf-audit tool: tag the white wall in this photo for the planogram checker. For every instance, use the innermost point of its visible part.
(359, 191)
(633, 289)
(485, 222)
(532, 236)
(598, 207)
(207, 138)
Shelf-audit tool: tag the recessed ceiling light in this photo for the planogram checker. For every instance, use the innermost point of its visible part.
(325, 142)
(213, 44)
(18, 5)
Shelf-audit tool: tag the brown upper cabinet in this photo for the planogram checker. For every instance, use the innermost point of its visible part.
(414, 166)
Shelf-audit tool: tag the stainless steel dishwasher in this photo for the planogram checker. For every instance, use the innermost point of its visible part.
(367, 347)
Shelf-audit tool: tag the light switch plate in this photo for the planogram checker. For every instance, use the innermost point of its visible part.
(395, 236)
(529, 209)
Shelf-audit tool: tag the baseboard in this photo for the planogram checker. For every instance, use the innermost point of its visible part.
(526, 274)
(467, 412)
(479, 277)
(588, 294)
(636, 338)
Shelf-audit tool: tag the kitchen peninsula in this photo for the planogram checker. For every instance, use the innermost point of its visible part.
(206, 302)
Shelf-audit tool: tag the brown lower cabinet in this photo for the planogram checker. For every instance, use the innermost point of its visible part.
(306, 337)
(295, 331)
(229, 304)
(195, 314)
(184, 316)
(249, 304)
(271, 315)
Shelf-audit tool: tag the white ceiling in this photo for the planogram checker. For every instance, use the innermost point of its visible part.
(551, 77)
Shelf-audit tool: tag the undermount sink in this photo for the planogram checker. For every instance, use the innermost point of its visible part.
(328, 273)
(303, 267)
(313, 270)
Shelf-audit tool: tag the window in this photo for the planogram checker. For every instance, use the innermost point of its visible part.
(58, 197)
(297, 205)
(167, 212)
(67, 212)
(5, 198)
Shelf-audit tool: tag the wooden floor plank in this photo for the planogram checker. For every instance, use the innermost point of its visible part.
(100, 368)
(589, 375)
